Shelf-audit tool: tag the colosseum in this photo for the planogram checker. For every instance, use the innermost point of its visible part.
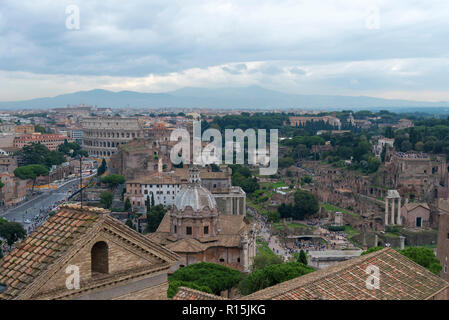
(102, 135)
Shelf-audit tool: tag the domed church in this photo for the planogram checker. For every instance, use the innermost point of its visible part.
(196, 230)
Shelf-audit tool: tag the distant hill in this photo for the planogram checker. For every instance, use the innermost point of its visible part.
(244, 97)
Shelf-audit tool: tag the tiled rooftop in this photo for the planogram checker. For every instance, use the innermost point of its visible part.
(42, 248)
(191, 294)
(400, 279)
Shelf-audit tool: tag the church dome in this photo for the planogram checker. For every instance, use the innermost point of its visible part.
(194, 195)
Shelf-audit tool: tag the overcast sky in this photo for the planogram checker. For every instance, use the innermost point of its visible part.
(389, 49)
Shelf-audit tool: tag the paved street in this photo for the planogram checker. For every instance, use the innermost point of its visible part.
(26, 212)
(272, 240)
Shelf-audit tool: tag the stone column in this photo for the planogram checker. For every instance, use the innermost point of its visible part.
(376, 240)
(386, 211)
(245, 254)
(401, 242)
(228, 203)
(364, 238)
(244, 206)
(399, 212)
(392, 212)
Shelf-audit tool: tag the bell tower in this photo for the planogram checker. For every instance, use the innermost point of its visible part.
(194, 175)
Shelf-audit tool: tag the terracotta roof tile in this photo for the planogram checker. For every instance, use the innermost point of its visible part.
(41, 248)
(400, 279)
(191, 294)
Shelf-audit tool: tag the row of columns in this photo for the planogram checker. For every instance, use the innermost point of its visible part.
(394, 212)
(238, 206)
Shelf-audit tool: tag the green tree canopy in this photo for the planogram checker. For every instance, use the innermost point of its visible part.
(102, 168)
(242, 177)
(72, 149)
(272, 275)
(127, 205)
(203, 276)
(424, 257)
(154, 217)
(11, 231)
(31, 171)
(306, 179)
(286, 162)
(113, 180)
(37, 153)
(305, 204)
(302, 258)
(106, 198)
(262, 260)
(273, 216)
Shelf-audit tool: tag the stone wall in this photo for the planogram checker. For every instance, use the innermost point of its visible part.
(119, 259)
(230, 257)
(158, 292)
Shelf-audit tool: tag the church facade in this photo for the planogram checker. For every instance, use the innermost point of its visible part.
(197, 231)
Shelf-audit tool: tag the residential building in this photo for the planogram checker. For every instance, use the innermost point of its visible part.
(51, 141)
(13, 191)
(416, 215)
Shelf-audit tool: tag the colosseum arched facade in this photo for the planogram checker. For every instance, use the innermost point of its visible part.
(102, 136)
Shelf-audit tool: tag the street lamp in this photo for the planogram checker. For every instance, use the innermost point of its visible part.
(80, 157)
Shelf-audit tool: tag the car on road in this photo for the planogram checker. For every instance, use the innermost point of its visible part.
(27, 221)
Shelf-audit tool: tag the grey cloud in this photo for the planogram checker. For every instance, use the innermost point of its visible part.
(134, 39)
(141, 37)
(235, 69)
(297, 70)
(268, 69)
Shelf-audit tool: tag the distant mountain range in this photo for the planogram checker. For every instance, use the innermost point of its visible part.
(245, 97)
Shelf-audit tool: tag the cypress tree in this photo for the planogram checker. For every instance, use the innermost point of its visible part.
(302, 257)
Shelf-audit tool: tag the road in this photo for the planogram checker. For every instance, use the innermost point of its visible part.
(272, 240)
(25, 212)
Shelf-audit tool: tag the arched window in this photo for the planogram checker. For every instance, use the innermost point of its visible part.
(99, 258)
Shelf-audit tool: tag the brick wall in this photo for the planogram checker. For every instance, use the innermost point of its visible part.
(158, 292)
(119, 259)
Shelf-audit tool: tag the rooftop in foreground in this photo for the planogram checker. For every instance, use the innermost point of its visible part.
(400, 279)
